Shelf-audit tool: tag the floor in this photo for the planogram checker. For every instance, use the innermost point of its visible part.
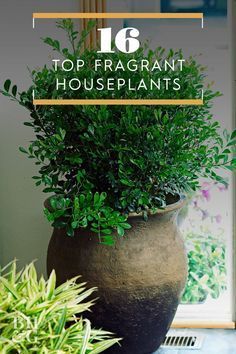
(215, 342)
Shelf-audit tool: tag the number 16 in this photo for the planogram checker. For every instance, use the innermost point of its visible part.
(123, 43)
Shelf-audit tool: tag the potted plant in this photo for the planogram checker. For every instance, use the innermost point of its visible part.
(36, 317)
(117, 175)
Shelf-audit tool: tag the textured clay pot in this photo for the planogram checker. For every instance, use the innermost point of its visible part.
(139, 280)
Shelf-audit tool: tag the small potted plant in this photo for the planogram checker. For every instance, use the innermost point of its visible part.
(116, 175)
(36, 317)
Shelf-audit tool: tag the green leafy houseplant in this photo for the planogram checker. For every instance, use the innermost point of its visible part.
(103, 162)
(207, 268)
(37, 317)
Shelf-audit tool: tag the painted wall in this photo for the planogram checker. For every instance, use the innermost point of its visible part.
(24, 233)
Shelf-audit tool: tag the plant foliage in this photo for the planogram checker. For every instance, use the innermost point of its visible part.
(207, 268)
(38, 317)
(103, 162)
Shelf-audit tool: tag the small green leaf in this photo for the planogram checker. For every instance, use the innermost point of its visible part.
(62, 322)
(23, 150)
(14, 90)
(86, 337)
(70, 231)
(96, 198)
(233, 135)
(120, 231)
(127, 183)
(7, 85)
(125, 226)
(75, 224)
(51, 285)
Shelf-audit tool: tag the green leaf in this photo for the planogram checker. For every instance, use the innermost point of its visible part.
(226, 151)
(103, 196)
(96, 198)
(62, 322)
(120, 231)
(127, 183)
(23, 150)
(100, 347)
(91, 129)
(53, 203)
(9, 287)
(62, 133)
(86, 337)
(70, 231)
(14, 90)
(233, 135)
(232, 143)
(7, 85)
(75, 224)
(81, 199)
(51, 285)
(125, 226)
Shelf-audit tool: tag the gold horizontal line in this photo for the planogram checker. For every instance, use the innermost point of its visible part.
(117, 15)
(119, 102)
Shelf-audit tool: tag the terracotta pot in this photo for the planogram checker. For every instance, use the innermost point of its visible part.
(139, 280)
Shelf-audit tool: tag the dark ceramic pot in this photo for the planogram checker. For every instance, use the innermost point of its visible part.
(139, 280)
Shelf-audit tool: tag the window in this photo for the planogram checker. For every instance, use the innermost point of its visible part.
(208, 227)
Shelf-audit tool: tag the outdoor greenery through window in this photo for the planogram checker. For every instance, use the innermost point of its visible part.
(205, 238)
